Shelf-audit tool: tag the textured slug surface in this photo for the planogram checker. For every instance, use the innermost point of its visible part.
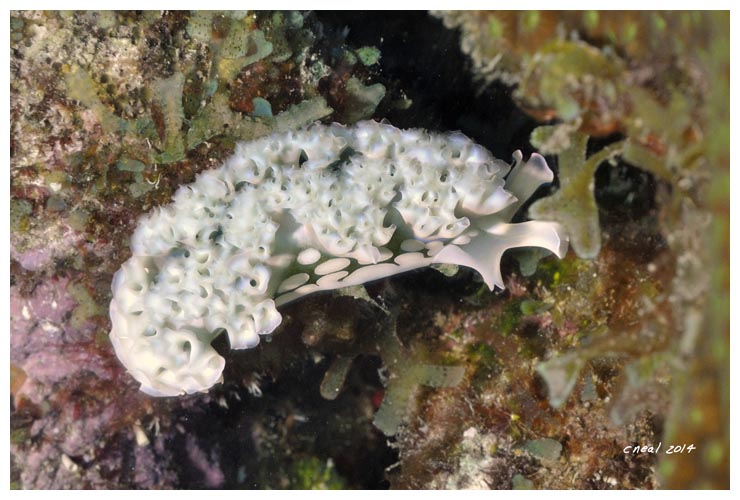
(300, 212)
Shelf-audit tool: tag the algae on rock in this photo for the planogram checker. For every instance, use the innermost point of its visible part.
(403, 369)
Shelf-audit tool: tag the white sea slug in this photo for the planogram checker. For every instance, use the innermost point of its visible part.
(299, 212)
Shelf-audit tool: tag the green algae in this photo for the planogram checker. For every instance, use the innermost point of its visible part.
(288, 36)
(349, 58)
(362, 100)
(556, 273)
(19, 213)
(509, 319)
(405, 372)
(82, 88)
(549, 82)
(529, 259)
(229, 67)
(302, 114)
(641, 156)
(519, 482)
(561, 374)
(130, 165)
(334, 378)
(545, 448)
(312, 473)
(78, 219)
(55, 203)
(262, 108)
(217, 117)
(140, 186)
(530, 20)
(200, 25)
(236, 43)
(189, 107)
(19, 436)
(167, 102)
(368, 56)
(484, 359)
(448, 270)
(574, 204)
(87, 306)
(530, 307)
(646, 349)
(703, 381)
(240, 46)
(588, 392)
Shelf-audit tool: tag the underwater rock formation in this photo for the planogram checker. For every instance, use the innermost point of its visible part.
(111, 112)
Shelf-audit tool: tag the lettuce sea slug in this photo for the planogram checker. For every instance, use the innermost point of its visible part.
(300, 212)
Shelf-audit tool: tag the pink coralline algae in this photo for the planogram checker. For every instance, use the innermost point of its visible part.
(213, 476)
(65, 389)
(39, 257)
(37, 322)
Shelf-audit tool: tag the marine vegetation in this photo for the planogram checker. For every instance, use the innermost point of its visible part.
(527, 372)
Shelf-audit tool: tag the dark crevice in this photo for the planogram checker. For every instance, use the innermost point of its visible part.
(421, 59)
